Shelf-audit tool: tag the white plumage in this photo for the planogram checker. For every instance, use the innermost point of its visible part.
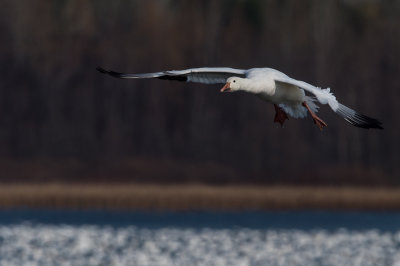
(287, 94)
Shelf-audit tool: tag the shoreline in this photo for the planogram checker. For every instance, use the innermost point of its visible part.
(192, 197)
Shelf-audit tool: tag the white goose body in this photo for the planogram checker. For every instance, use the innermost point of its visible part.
(288, 95)
(261, 82)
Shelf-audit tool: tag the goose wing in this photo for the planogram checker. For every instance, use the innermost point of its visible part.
(324, 96)
(206, 75)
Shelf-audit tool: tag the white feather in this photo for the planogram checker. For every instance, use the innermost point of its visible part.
(269, 84)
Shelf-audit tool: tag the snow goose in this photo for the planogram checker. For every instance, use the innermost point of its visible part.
(288, 95)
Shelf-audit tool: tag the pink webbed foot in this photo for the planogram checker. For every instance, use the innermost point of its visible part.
(280, 115)
(318, 121)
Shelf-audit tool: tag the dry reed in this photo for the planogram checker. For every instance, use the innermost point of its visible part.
(196, 197)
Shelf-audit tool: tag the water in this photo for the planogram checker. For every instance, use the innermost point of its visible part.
(237, 238)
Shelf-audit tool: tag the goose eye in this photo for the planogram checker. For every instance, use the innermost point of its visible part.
(234, 81)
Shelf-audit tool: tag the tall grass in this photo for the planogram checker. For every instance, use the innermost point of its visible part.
(195, 197)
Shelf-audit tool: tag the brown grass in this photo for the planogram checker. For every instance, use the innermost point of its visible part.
(196, 197)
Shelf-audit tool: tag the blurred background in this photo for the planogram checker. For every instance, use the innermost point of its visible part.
(101, 171)
(61, 120)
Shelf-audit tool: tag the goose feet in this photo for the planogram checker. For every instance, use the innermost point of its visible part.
(280, 115)
(318, 121)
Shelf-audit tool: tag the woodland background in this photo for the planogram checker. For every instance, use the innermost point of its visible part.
(61, 120)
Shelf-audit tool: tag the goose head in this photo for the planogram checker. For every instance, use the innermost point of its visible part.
(232, 84)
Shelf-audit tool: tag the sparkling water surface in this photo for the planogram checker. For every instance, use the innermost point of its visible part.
(203, 238)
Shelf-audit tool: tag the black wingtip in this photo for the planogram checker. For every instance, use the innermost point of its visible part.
(368, 121)
(363, 121)
(101, 70)
(111, 73)
(357, 119)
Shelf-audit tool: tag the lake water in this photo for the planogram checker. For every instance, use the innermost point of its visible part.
(198, 238)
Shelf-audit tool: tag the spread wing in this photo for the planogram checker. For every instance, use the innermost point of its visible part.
(324, 96)
(206, 75)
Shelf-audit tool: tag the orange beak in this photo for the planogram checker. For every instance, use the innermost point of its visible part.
(226, 88)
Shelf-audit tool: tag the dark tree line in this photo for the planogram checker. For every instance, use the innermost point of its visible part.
(53, 104)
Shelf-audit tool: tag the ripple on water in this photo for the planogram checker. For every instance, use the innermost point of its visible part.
(36, 244)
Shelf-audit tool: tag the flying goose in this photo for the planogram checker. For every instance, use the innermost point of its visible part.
(288, 95)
